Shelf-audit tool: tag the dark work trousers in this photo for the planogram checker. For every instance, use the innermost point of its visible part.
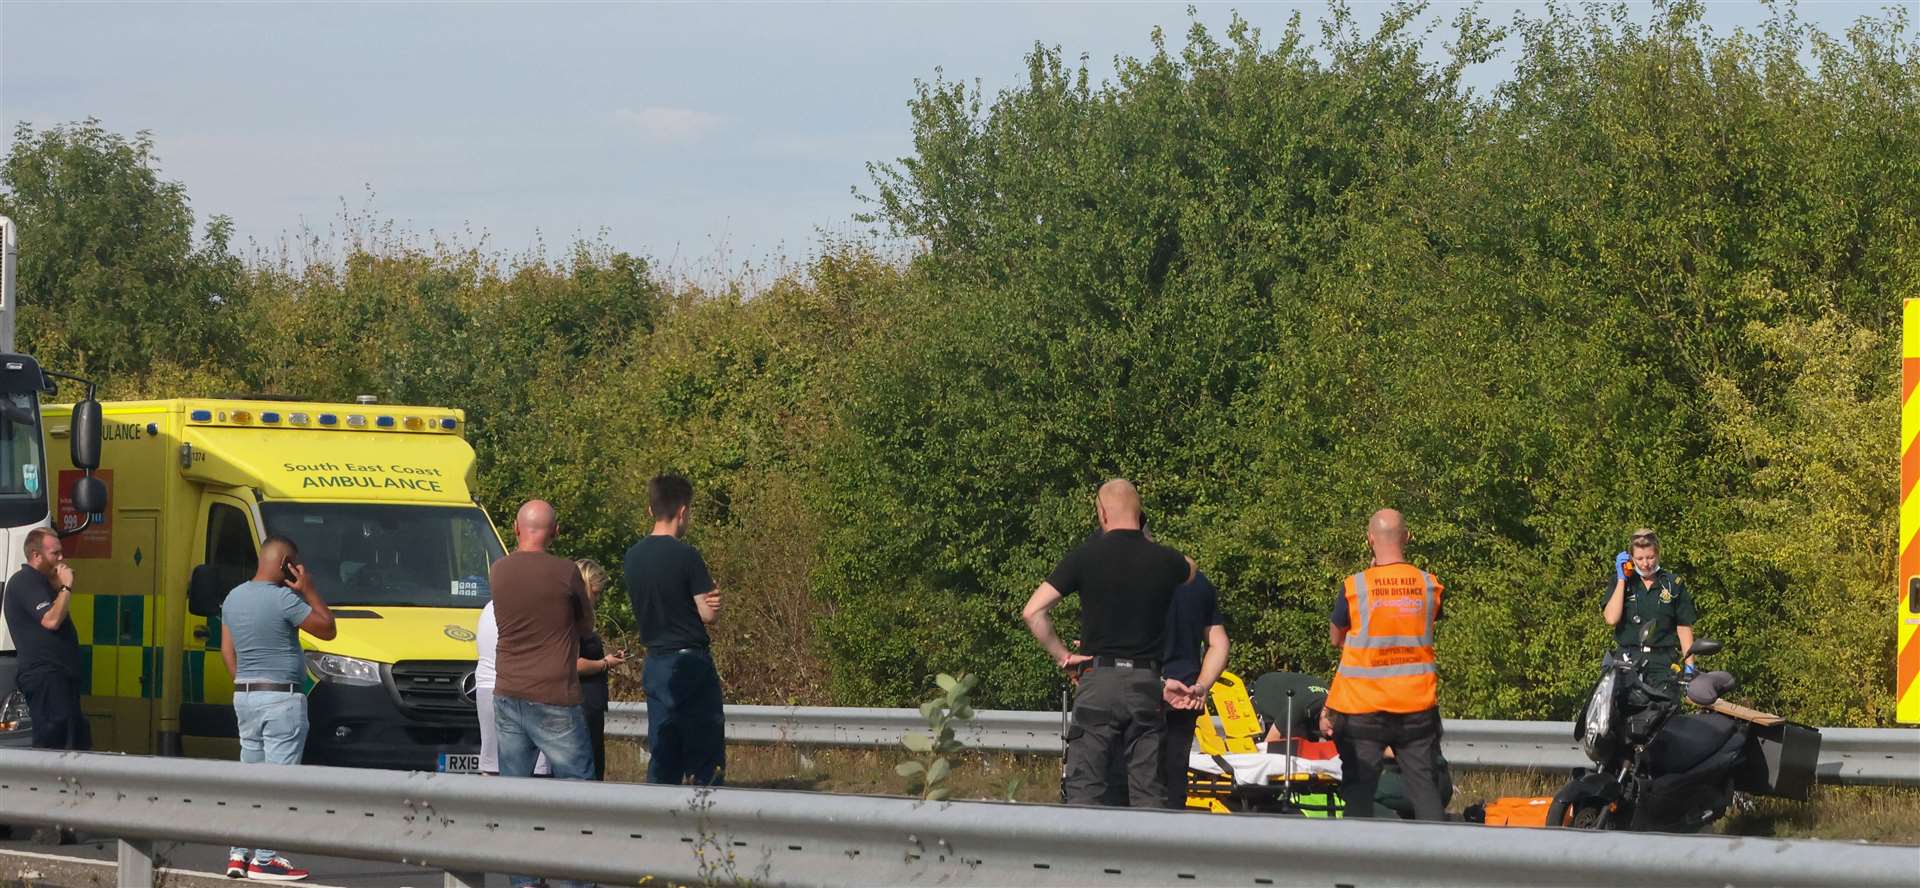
(597, 738)
(1175, 746)
(53, 702)
(686, 729)
(1118, 713)
(1363, 740)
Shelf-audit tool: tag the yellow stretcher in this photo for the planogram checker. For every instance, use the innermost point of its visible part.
(1233, 768)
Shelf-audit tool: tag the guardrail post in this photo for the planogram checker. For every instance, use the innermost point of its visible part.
(136, 863)
(457, 879)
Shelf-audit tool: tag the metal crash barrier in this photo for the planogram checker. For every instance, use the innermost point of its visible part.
(467, 825)
(1864, 756)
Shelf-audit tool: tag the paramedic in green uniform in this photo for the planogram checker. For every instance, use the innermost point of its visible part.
(1651, 613)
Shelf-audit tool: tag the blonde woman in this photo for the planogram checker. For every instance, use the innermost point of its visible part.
(594, 664)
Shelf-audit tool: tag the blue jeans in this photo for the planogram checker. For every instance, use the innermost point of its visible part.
(686, 728)
(524, 729)
(273, 731)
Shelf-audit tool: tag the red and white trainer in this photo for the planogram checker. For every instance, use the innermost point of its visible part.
(278, 869)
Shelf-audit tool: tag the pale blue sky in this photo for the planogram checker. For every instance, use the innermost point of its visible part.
(699, 135)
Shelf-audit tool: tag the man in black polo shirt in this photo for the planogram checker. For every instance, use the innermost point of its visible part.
(1125, 583)
(37, 600)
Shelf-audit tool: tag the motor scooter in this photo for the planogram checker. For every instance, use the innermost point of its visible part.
(1656, 769)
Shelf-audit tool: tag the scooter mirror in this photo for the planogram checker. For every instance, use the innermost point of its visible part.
(1704, 646)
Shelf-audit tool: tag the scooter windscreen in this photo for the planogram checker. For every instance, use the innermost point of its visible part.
(1596, 735)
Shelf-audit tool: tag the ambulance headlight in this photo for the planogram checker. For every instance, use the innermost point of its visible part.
(335, 669)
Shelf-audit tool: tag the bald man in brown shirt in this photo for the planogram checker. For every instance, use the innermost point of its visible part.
(540, 605)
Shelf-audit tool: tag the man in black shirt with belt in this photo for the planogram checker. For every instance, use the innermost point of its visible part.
(1125, 583)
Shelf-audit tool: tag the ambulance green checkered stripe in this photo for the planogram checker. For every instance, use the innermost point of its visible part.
(153, 662)
(119, 620)
(153, 671)
(194, 673)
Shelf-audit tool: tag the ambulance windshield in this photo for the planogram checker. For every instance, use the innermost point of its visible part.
(396, 555)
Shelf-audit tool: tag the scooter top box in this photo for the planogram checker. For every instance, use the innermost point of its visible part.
(1780, 761)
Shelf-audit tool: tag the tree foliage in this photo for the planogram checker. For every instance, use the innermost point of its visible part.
(1280, 283)
(110, 278)
(1284, 285)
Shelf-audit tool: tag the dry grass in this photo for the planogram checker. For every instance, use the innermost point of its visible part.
(1843, 813)
(862, 771)
(1864, 813)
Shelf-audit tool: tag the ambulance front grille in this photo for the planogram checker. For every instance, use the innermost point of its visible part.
(433, 687)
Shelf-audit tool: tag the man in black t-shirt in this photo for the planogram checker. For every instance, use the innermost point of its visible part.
(674, 601)
(1125, 583)
(37, 599)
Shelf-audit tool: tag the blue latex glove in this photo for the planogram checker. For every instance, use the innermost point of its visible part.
(1687, 672)
(1620, 563)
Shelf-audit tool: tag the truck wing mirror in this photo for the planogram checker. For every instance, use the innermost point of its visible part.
(84, 435)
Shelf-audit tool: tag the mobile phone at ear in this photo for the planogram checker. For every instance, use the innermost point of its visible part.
(286, 570)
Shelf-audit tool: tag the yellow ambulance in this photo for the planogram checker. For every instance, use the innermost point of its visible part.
(379, 500)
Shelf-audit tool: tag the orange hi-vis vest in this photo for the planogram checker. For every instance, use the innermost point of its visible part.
(1387, 663)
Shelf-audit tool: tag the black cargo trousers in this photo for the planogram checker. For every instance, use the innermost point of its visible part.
(1119, 713)
(1363, 740)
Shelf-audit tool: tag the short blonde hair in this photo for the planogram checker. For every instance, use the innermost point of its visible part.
(592, 574)
(1644, 538)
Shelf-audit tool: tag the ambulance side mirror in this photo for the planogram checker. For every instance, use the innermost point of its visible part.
(84, 435)
(208, 588)
(89, 496)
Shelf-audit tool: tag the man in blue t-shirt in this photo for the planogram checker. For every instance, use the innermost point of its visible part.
(260, 626)
(674, 601)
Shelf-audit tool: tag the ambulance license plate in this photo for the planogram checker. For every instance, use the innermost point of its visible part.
(458, 763)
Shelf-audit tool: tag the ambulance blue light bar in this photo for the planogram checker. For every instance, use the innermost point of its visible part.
(244, 416)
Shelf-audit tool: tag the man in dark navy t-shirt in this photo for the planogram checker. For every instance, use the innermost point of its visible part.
(674, 601)
(1196, 655)
(1125, 583)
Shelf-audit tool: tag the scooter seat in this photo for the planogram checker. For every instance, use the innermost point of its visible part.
(1687, 741)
